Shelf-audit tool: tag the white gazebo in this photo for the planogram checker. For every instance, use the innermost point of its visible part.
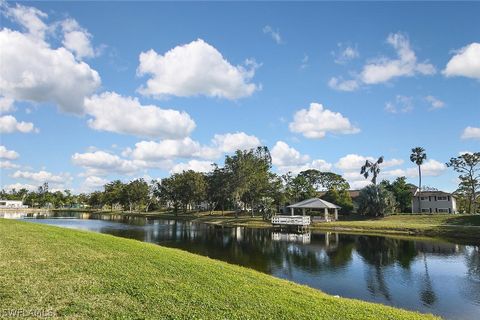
(315, 203)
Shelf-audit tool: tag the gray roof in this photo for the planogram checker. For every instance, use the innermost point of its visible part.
(314, 203)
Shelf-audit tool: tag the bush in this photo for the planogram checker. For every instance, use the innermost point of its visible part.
(376, 201)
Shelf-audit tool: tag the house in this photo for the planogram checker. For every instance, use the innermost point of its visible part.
(433, 202)
(12, 204)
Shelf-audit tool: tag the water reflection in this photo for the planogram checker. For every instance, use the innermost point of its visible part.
(429, 276)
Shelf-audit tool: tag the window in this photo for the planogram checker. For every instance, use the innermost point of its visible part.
(443, 210)
(442, 198)
(423, 198)
(425, 210)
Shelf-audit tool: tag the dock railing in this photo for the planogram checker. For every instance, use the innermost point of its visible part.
(291, 220)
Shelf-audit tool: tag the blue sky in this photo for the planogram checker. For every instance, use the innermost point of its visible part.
(96, 91)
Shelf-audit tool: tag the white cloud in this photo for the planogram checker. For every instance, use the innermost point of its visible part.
(275, 34)
(29, 17)
(435, 102)
(304, 63)
(195, 165)
(384, 69)
(471, 133)
(231, 142)
(42, 176)
(288, 159)
(8, 154)
(431, 167)
(343, 85)
(317, 121)
(115, 113)
(196, 68)
(353, 162)
(345, 53)
(8, 165)
(171, 149)
(77, 39)
(6, 105)
(402, 104)
(92, 183)
(9, 124)
(465, 63)
(33, 71)
(18, 186)
(103, 163)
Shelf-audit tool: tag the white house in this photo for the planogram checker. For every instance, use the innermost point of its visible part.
(12, 204)
(434, 202)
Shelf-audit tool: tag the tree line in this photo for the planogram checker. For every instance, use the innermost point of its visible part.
(246, 183)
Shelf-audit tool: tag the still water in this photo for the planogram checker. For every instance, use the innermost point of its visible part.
(434, 276)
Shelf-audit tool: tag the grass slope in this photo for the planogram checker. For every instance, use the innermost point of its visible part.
(87, 275)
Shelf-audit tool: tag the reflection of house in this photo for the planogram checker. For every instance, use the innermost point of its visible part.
(433, 202)
(12, 204)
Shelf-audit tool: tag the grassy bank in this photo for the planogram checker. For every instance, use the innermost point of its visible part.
(86, 275)
(451, 226)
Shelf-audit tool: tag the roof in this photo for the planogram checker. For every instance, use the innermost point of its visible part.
(433, 193)
(314, 203)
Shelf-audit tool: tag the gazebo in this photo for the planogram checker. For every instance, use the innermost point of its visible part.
(315, 203)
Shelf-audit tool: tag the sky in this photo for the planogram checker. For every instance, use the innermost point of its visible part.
(96, 91)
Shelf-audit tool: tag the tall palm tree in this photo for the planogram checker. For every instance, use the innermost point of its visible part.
(418, 156)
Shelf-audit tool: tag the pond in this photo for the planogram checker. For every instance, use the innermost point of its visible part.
(432, 276)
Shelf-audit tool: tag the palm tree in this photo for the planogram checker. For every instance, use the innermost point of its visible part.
(418, 156)
(372, 168)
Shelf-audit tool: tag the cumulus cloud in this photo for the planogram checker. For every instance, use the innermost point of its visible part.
(28, 17)
(384, 69)
(431, 167)
(345, 53)
(195, 165)
(19, 186)
(9, 124)
(8, 165)
(8, 154)
(115, 113)
(435, 103)
(77, 39)
(355, 162)
(6, 105)
(171, 149)
(231, 142)
(33, 71)
(42, 176)
(465, 63)
(92, 183)
(288, 159)
(316, 121)
(103, 163)
(275, 34)
(402, 104)
(196, 68)
(471, 133)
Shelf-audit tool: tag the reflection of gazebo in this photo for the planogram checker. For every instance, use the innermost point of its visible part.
(315, 203)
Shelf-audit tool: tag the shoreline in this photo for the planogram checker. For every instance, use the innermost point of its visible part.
(411, 226)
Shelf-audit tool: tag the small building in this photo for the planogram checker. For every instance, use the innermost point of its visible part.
(12, 204)
(316, 203)
(433, 202)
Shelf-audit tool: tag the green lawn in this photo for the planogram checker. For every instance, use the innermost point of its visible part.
(459, 226)
(85, 275)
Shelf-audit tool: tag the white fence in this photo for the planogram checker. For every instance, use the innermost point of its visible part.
(291, 220)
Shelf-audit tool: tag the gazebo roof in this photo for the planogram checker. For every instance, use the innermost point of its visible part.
(314, 203)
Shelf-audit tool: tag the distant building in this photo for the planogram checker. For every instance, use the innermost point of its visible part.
(12, 204)
(434, 202)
